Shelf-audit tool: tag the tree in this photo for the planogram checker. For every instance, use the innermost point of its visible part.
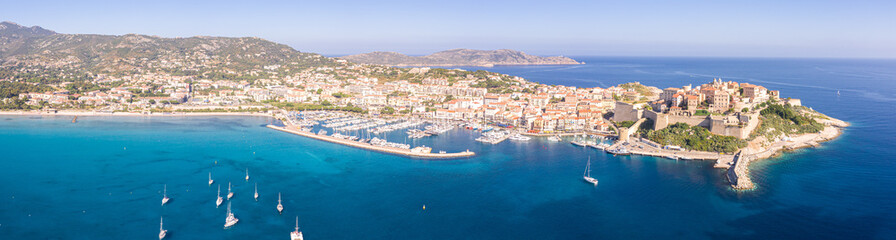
(388, 110)
(448, 98)
(151, 101)
(744, 110)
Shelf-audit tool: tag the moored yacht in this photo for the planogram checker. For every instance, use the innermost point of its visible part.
(230, 220)
(162, 231)
(296, 235)
(621, 151)
(219, 200)
(519, 137)
(165, 195)
(587, 175)
(279, 205)
(229, 193)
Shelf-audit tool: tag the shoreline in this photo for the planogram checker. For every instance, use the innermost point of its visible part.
(736, 164)
(132, 114)
(739, 172)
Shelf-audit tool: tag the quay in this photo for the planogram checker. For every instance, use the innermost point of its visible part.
(385, 149)
(739, 173)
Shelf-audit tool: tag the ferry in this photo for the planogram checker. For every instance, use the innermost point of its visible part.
(296, 235)
(229, 193)
(279, 205)
(210, 181)
(230, 220)
(162, 231)
(587, 175)
(220, 200)
(165, 195)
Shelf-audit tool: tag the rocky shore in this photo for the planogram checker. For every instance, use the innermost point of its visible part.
(760, 148)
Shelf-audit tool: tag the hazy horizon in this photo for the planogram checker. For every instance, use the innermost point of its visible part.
(762, 29)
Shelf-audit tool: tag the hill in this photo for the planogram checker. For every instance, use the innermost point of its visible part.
(459, 57)
(210, 57)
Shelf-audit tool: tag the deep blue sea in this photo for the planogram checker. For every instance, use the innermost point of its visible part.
(102, 177)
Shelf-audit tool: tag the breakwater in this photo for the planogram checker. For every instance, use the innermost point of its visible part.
(392, 150)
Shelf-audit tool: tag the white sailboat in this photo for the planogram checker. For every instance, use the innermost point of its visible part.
(210, 181)
(247, 174)
(230, 220)
(256, 192)
(162, 231)
(229, 193)
(279, 205)
(220, 200)
(587, 175)
(165, 195)
(296, 235)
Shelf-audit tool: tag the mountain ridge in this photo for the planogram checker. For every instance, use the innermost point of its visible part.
(192, 56)
(459, 57)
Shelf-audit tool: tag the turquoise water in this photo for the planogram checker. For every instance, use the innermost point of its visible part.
(101, 178)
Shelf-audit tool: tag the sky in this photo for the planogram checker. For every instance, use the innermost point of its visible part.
(758, 28)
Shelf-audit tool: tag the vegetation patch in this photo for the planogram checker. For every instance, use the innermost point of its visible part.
(781, 120)
(695, 138)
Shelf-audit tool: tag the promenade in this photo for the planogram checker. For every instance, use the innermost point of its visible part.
(392, 150)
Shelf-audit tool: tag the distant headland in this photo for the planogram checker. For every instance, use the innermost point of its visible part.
(459, 57)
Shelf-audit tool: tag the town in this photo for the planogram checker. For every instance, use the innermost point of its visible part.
(725, 108)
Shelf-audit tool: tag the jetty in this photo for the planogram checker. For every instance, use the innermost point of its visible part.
(385, 149)
(739, 173)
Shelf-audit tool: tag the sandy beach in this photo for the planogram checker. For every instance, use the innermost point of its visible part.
(130, 114)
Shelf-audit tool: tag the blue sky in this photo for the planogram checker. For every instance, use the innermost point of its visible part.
(854, 29)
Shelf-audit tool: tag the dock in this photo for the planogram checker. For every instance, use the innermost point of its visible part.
(739, 173)
(385, 149)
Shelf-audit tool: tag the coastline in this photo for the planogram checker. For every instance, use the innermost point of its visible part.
(736, 165)
(739, 172)
(131, 114)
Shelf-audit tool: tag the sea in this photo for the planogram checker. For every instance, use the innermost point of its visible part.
(103, 177)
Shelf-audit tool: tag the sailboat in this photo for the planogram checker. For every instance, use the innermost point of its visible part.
(165, 195)
(162, 231)
(220, 200)
(230, 220)
(279, 205)
(247, 174)
(210, 181)
(229, 193)
(256, 192)
(587, 175)
(296, 235)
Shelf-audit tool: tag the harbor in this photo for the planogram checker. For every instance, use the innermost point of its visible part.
(414, 152)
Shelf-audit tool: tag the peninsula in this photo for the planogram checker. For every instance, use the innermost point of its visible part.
(47, 73)
(459, 57)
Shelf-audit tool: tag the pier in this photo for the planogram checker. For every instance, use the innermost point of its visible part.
(385, 149)
(739, 173)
